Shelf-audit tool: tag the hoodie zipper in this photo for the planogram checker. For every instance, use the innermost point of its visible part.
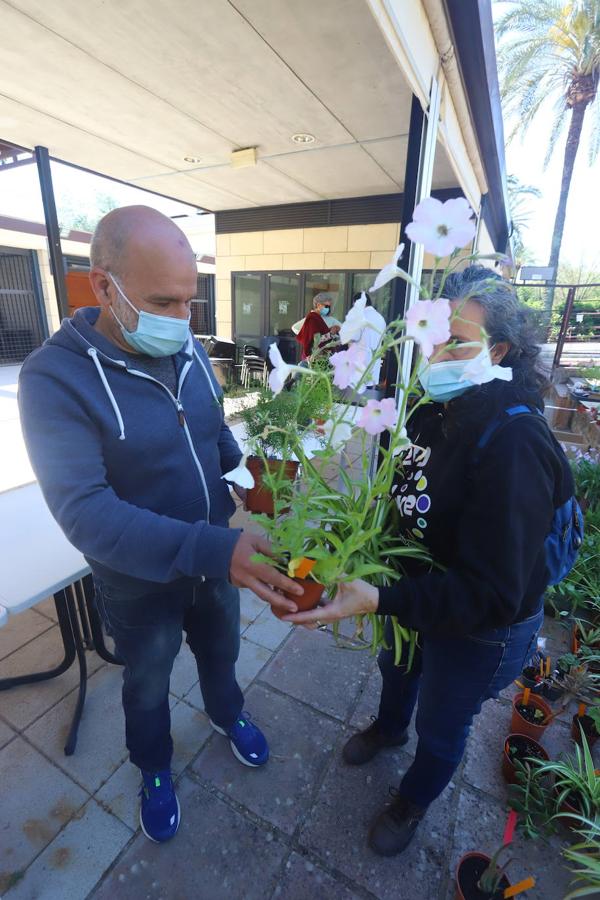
(182, 421)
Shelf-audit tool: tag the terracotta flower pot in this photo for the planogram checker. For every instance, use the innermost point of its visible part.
(530, 678)
(259, 499)
(313, 591)
(468, 872)
(589, 728)
(534, 749)
(521, 725)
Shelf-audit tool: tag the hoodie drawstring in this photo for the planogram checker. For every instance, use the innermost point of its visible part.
(210, 382)
(94, 354)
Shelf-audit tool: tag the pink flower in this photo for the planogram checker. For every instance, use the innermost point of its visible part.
(442, 227)
(378, 415)
(349, 367)
(428, 323)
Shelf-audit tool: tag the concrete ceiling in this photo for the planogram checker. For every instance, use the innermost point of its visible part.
(129, 88)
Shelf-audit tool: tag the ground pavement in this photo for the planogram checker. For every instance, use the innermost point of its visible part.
(292, 830)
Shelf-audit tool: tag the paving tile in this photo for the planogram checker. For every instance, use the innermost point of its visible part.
(302, 879)
(347, 803)
(185, 672)
(251, 607)
(233, 859)
(71, 865)
(267, 630)
(101, 742)
(251, 660)
(368, 706)
(21, 706)
(313, 669)
(37, 800)
(47, 608)
(302, 743)
(483, 756)
(119, 795)
(19, 630)
(6, 734)
(480, 825)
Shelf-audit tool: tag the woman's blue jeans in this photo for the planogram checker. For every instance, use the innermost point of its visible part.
(451, 678)
(147, 632)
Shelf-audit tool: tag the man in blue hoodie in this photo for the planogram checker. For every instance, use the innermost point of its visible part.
(124, 425)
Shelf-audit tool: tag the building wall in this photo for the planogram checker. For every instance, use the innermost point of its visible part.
(297, 249)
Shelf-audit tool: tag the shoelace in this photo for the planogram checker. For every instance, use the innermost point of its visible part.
(160, 790)
(402, 810)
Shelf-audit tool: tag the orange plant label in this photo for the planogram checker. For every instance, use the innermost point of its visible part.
(526, 694)
(305, 567)
(519, 888)
(581, 710)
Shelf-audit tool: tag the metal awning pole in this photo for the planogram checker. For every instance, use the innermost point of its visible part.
(52, 230)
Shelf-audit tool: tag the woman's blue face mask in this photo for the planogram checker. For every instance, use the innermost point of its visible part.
(155, 335)
(445, 380)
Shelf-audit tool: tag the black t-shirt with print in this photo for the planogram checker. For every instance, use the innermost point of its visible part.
(484, 520)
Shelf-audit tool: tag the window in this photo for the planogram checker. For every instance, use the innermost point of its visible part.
(248, 305)
(284, 291)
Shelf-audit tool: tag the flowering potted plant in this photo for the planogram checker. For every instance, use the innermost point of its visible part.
(345, 523)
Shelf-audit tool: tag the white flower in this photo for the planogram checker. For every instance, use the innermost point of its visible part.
(390, 271)
(337, 433)
(442, 227)
(480, 370)
(281, 370)
(355, 321)
(241, 475)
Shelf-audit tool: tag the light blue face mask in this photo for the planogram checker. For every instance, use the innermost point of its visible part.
(155, 335)
(442, 380)
(325, 310)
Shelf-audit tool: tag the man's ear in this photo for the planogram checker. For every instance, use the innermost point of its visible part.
(499, 351)
(101, 285)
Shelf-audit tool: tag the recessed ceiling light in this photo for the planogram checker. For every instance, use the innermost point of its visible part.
(192, 159)
(302, 137)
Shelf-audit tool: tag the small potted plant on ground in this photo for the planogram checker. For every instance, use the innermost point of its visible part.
(531, 715)
(266, 432)
(588, 721)
(481, 877)
(560, 790)
(519, 747)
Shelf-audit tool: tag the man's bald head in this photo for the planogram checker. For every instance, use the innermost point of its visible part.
(152, 262)
(122, 233)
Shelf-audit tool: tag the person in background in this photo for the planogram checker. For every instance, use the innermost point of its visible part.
(370, 338)
(124, 425)
(314, 325)
(329, 319)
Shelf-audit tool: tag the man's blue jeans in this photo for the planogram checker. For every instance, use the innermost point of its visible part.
(451, 677)
(147, 633)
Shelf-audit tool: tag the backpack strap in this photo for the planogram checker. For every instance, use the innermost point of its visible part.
(501, 420)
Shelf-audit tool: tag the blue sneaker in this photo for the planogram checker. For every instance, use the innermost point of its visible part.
(159, 812)
(247, 742)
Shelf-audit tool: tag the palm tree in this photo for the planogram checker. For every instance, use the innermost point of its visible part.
(550, 52)
(518, 196)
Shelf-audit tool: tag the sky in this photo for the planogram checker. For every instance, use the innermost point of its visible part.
(525, 159)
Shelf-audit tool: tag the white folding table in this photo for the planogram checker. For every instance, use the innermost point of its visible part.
(37, 561)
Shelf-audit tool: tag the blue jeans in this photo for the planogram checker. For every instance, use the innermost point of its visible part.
(147, 633)
(452, 678)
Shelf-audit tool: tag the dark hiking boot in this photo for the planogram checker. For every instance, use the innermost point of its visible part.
(364, 746)
(394, 828)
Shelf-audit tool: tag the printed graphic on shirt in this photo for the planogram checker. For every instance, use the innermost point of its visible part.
(410, 490)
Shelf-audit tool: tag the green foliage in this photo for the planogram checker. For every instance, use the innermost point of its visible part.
(491, 877)
(586, 857)
(586, 474)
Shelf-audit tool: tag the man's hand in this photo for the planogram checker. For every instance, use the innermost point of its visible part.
(352, 599)
(260, 577)
(335, 329)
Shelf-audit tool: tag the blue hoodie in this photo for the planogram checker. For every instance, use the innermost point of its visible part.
(131, 473)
